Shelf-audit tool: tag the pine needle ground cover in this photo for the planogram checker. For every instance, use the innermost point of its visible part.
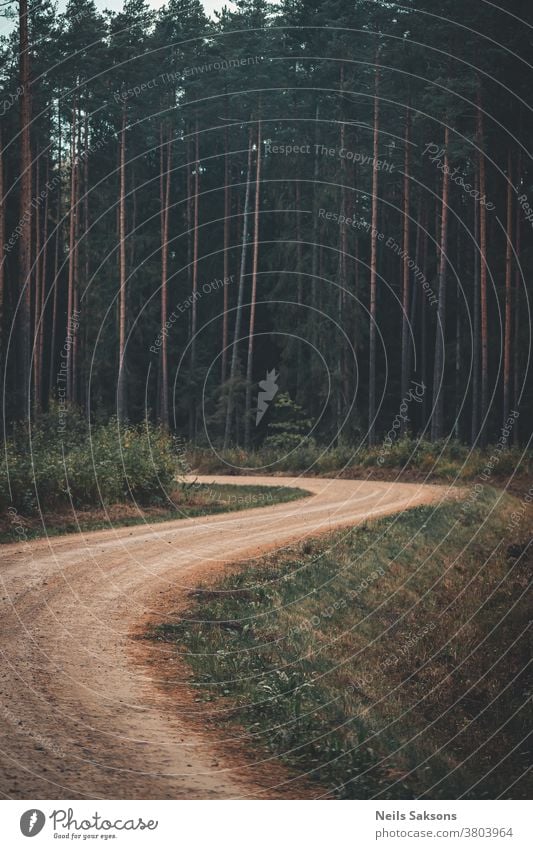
(388, 661)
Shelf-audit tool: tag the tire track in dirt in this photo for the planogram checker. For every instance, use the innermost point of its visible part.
(89, 710)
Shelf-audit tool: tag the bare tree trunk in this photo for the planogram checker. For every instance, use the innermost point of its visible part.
(483, 276)
(40, 301)
(165, 202)
(414, 297)
(86, 273)
(37, 286)
(238, 311)
(2, 257)
(437, 424)
(298, 191)
(40, 347)
(250, 361)
(516, 334)
(75, 339)
(356, 248)
(56, 263)
(194, 305)
(508, 295)
(406, 344)
(373, 265)
(71, 247)
(121, 387)
(342, 389)
(314, 255)
(227, 230)
(476, 330)
(25, 212)
(75, 294)
(424, 323)
(299, 377)
(458, 333)
(159, 410)
(189, 214)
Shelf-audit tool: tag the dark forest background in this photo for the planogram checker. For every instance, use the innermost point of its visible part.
(165, 246)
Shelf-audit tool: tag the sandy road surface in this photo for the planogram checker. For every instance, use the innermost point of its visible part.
(85, 710)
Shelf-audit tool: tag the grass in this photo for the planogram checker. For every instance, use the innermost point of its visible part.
(387, 661)
(408, 458)
(189, 500)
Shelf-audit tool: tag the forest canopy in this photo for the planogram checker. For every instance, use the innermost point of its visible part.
(326, 203)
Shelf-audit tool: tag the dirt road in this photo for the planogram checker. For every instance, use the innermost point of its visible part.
(88, 710)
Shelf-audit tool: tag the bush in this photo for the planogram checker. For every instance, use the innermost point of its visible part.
(436, 459)
(43, 468)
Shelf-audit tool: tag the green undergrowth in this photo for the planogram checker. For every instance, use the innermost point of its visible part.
(404, 456)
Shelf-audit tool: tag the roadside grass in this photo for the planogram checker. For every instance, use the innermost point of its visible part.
(406, 458)
(187, 501)
(385, 661)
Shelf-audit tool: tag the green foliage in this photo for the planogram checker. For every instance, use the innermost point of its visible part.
(288, 428)
(175, 75)
(438, 460)
(61, 459)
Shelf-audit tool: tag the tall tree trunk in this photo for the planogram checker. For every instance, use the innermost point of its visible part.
(71, 249)
(194, 305)
(2, 257)
(299, 263)
(165, 202)
(343, 389)
(37, 287)
(406, 343)
(516, 329)
(53, 376)
(508, 295)
(86, 267)
(40, 296)
(373, 265)
(437, 424)
(75, 339)
(227, 231)
(483, 275)
(238, 309)
(189, 213)
(476, 342)
(314, 254)
(25, 213)
(250, 361)
(74, 322)
(424, 323)
(420, 224)
(159, 408)
(299, 376)
(458, 340)
(121, 387)
(44, 263)
(357, 275)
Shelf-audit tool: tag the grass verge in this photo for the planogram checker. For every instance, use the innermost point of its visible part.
(189, 500)
(387, 661)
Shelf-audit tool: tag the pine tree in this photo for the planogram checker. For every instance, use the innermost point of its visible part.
(25, 210)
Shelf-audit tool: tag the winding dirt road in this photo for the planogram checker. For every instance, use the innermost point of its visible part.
(88, 710)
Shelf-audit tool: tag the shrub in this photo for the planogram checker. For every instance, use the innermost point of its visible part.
(86, 466)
